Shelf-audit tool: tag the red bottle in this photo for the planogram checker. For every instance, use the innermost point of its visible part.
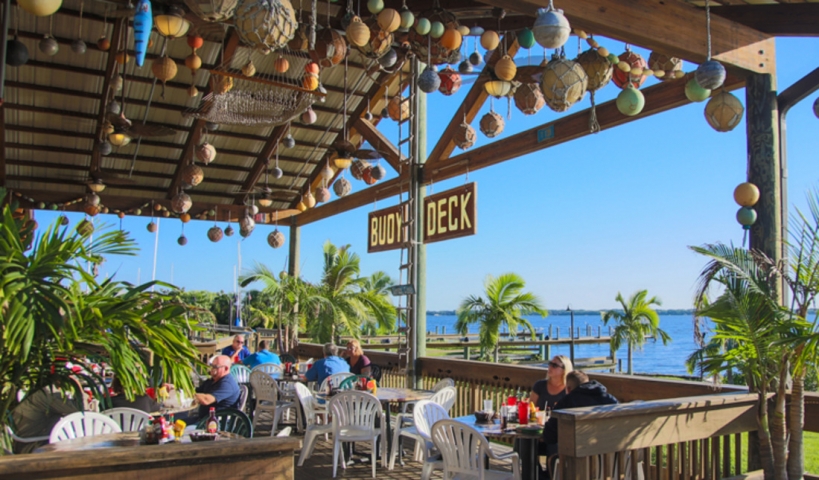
(213, 422)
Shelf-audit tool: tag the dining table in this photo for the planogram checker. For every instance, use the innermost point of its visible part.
(120, 439)
(525, 440)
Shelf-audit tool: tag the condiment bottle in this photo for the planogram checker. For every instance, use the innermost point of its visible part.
(213, 423)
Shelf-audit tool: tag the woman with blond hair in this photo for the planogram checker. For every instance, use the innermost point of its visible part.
(547, 392)
(359, 363)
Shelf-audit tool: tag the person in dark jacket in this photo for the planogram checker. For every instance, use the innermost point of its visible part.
(582, 393)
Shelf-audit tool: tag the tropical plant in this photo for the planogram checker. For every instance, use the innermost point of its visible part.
(342, 302)
(377, 284)
(55, 315)
(505, 305)
(637, 321)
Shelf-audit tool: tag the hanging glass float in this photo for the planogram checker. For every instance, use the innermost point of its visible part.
(450, 81)
(246, 226)
(423, 26)
(492, 124)
(212, 10)
(309, 200)
(105, 148)
(367, 176)
(229, 231)
(724, 111)
(465, 136)
(694, 92)
(49, 46)
(358, 167)
(379, 43)
(205, 152)
(358, 34)
(330, 48)
(16, 53)
(444, 33)
(181, 202)
(665, 67)
(193, 175)
(398, 108)
(451, 39)
(597, 67)
(475, 58)
(630, 101)
(375, 6)
(563, 83)
(630, 70)
(746, 217)
(389, 59)
(265, 23)
(526, 38)
(389, 20)
(378, 172)
(551, 28)
(308, 117)
(85, 228)
(710, 75)
(281, 65)
(505, 68)
(529, 99)
(40, 8)
(275, 238)
(152, 227)
(465, 67)
(215, 234)
(428, 81)
(322, 194)
(342, 187)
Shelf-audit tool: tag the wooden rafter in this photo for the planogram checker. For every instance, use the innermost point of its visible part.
(199, 124)
(469, 108)
(781, 20)
(263, 159)
(110, 69)
(387, 189)
(377, 139)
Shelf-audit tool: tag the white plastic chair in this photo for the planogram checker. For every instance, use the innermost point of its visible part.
(404, 422)
(354, 416)
(284, 432)
(335, 378)
(241, 373)
(425, 414)
(268, 404)
(446, 382)
(464, 451)
(128, 419)
(445, 397)
(244, 392)
(82, 424)
(314, 429)
(268, 368)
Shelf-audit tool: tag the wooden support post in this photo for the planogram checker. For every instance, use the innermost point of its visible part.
(295, 248)
(764, 167)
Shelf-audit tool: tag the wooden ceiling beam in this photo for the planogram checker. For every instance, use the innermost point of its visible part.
(263, 160)
(377, 139)
(110, 69)
(781, 20)
(469, 108)
(671, 27)
(199, 124)
(137, 187)
(2, 144)
(659, 98)
(387, 189)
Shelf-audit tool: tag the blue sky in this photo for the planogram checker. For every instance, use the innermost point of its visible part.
(608, 213)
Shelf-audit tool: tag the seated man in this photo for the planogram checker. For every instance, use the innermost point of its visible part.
(329, 365)
(262, 356)
(582, 393)
(237, 351)
(221, 390)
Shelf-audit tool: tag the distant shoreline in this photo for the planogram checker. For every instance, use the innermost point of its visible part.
(440, 313)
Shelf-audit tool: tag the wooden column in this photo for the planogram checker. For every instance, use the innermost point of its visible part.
(295, 247)
(764, 165)
(420, 296)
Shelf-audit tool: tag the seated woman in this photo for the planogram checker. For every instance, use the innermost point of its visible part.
(141, 402)
(359, 363)
(547, 392)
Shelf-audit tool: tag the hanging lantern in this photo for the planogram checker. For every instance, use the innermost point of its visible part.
(526, 38)
(342, 187)
(746, 217)
(205, 152)
(630, 101)
(694, 92)
(598, 68)
(551, 29)
(465, 67)
(164, 69)
(330, 48)
(379, 43)
(529, 99)
(465, 136)
(505, 69)
(192, 175)
(358, 167)
(172, 24)
(229, 231)
(181, 202)
(563, 83)
(246, 226)
(428, 81)
(309, 117)
(49, 46)
(634, 73)
(492, 124)
(450, 81)
(724, 111)
(399, 108)
(490, 40)
(40, 8)
(497, 88)
(265, 23)
(358, 34)
(322, 194)
(342, 161)
(275, 239)
(389, 20)
(193, 62)
(746, 194)
(670, 66)
(215, 234)
(710, 75)
(281, 65)
(309, 200)
(16, 53)
(119, 139)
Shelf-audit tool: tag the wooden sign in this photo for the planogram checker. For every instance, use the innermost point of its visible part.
(398, 290)
(451, 214)
(386, 229)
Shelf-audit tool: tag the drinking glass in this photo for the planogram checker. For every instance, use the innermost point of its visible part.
(487, 405)
(512, 401)
(523, 413)
(541, 417)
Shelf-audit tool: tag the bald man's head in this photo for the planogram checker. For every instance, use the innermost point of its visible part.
(220, 367)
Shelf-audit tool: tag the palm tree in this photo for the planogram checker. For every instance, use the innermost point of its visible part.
(505, 305)
(637, 321)
(378, 284)
(342, 302)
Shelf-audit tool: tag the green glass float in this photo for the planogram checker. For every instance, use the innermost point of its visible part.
(630, 101)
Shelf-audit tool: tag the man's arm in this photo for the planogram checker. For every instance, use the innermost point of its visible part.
(205, 399)
(312, 374)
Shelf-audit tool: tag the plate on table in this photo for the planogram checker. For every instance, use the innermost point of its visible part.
(533, 429)
(203, 436)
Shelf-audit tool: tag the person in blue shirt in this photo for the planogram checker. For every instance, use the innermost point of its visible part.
(221, 390)
(329, 365)
(262, 356)
(237, 351)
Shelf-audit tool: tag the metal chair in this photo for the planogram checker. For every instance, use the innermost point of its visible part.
(287, 358)
(82, 424)
(464, 451)
(354, 420)
(268, 368)
(314, 429)
(128, 419)
(241, 373)
(267, 400)
(231, 421)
